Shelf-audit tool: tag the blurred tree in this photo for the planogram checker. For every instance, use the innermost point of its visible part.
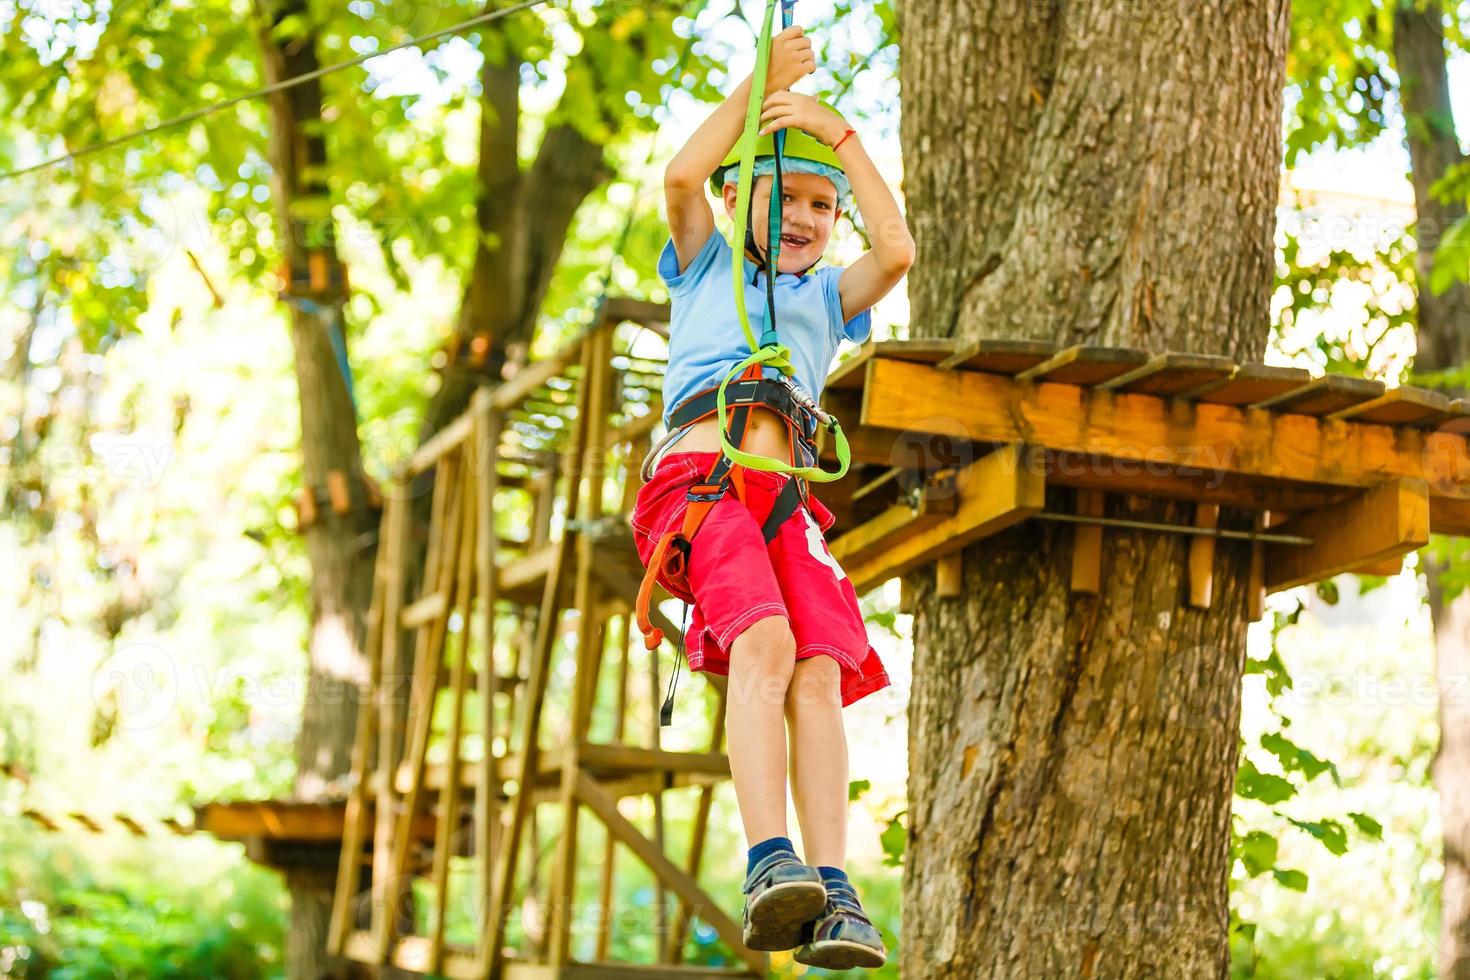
(1444, 355)
(1347, 57)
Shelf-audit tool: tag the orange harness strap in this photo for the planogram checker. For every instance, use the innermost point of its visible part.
(671, 559)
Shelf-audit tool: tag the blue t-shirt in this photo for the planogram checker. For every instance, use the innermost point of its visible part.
(705, 339)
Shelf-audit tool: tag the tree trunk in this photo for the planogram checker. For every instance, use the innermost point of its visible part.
(339, 546)
(1443, 342)
(1104, 173)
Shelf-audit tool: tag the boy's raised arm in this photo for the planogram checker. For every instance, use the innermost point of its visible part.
(689, 215)
(871, 277)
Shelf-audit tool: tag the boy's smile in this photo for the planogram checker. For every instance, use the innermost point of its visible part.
(808, 214)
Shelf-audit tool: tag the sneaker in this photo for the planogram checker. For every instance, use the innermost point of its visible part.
(782, 895)
(842, 937)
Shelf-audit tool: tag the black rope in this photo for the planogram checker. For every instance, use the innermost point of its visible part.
(666, 712)
(274, 87)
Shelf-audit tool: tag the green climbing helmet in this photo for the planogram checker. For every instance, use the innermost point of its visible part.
(804, 153)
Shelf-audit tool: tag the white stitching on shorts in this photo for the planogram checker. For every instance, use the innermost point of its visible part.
(744, 619)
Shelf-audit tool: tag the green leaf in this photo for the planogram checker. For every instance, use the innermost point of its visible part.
(1253, 784)
(1332, 834)
(1452, 257)
(1367, 825)
(857, 788)
(894, 839)
(1294, 758)
(1295, 880)
(1273, 668)
(1258, 852)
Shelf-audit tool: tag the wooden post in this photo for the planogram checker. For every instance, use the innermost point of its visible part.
(1202, 557)
(428, 654)
(493, 961)
(563, 886)
(354, 820)
(485, 448)
(1087, 544)
(389, 725)
(448, 827)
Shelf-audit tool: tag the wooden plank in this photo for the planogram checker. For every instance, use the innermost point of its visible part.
(1202, 557)
(386, 705)
(423, 611)
(1256, 586)
(606, 809)
(1448, 516)
(999, 355)
(1382, 522)
(1324, 396)
(1171, 374)
(435, 447)
(491, 951)
(444, 842)
(428, 656)
(1162, 433)
(627, 309)
(528, 379)
(678, 933)
(274, 819)
(1196, 483)
(1085, 365)
(893, 526)
(606, 758)
(849, 374)
(486, 440)
(1087, 542)
(1404, 405)
(349, 867)
(1249, 384)
(949, 575)
(562, 895)
(614, 971)
(995, 492)
(411, 953)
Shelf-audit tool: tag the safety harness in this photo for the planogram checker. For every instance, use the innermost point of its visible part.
(733, 400)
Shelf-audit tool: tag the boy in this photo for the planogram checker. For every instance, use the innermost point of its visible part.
(771, 607)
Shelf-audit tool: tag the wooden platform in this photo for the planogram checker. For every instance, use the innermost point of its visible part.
(1366, 473)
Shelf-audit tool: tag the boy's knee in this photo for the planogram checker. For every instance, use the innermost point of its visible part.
(815, 680)
(765, 652)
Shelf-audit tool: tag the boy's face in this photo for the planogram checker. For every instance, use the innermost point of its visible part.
(807, 215)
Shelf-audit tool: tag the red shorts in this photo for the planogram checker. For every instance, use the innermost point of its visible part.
(734, 578)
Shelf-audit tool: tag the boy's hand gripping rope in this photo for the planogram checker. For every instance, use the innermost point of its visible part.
(767, 351)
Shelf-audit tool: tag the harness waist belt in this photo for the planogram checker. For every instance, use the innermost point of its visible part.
(763, 392)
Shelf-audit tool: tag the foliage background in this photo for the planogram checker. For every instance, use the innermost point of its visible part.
(148, 431)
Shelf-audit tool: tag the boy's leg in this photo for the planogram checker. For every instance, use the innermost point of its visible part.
(735, 587)
(819, 777)
(760, 671)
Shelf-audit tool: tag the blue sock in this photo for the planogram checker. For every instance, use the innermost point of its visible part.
(836, 880)
(764, 848)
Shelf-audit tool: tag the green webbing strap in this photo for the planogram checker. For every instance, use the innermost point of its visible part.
(769, 464)
(774, 355)
(748, 140)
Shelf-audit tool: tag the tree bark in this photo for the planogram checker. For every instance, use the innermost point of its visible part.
(1105, 173)
(1443, 343)
(339, 546)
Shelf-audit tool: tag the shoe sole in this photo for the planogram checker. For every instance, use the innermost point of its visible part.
(840, 954)
(778, 915)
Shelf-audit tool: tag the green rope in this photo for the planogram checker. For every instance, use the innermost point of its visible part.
(772, 355)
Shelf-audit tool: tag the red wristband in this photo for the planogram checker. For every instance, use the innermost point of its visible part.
(845, 135)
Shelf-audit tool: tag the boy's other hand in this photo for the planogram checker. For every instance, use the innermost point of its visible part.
(783, 110)
(791, 58)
